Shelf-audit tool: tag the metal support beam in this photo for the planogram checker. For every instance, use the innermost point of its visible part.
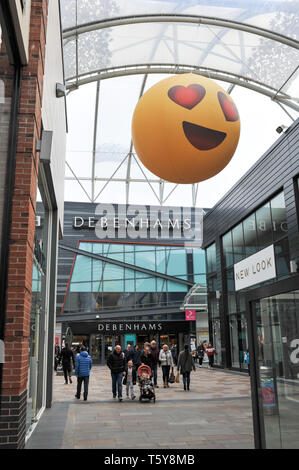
(179, 18)
(74, 82)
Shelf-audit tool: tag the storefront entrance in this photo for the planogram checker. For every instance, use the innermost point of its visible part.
(274, 366)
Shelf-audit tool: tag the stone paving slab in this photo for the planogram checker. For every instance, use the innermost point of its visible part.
(215, 414)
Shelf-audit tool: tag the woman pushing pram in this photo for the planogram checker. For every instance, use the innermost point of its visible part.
(146, 386)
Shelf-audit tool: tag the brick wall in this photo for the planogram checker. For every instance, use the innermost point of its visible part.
(17, 328)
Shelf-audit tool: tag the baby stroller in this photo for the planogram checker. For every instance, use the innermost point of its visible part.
(146, 387)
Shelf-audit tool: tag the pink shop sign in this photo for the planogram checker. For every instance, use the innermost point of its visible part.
(190, 315)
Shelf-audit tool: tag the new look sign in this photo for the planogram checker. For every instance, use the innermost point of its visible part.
(257, 268)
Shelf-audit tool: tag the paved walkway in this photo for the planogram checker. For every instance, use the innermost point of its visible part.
(215, 414)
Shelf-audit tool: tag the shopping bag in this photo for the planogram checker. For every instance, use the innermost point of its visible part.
(177, 377)
(171, 378)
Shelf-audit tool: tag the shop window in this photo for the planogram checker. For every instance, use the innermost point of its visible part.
(227, 245)
(211, 258)
(264, 226)
(231, 303)
(176, 262)
(216, 341)
(279, 217)
(199, 261)
(161, 261)
(250, 235)
(82, 269)
(230, 282)
(234, 341)
(111, 272)
(146, 285)
(238, 243)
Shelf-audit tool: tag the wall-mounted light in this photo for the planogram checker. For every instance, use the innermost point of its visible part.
(60, 90)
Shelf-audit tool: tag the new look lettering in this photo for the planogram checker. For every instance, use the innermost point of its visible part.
(255, 269)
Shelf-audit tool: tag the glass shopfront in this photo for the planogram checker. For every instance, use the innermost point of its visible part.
(275, 333)
(37, 318)
(96, 285)
(266, 226)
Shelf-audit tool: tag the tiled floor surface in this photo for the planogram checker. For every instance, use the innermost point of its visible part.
(215, 414)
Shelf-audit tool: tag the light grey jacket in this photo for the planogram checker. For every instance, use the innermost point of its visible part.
(166, 358)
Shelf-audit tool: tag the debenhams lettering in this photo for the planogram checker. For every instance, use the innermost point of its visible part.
(121, 221)
(133, 327)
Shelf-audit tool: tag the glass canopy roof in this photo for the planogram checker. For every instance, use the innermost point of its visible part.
(243, 44)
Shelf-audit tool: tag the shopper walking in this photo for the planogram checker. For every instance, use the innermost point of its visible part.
(146, 357)
(200, 353)
(57, 357)
(155, 353)
(136, 356)
(128, 352)
(130, 379)
(174, 353)
(246, 360)
(67, 360)
(165, 357)
(210, 353)
(185, 365)
(117, 363)
(82, 371)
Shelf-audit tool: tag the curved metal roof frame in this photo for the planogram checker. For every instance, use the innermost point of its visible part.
(78, 80)
(176, 18)
(144, 69)
(163, 68)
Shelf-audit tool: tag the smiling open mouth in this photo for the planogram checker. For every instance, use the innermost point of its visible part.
(202, 138)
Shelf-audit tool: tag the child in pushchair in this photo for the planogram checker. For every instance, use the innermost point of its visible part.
(146, 387)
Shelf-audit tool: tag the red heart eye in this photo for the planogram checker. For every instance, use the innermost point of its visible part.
(188, 97)
(228, 107)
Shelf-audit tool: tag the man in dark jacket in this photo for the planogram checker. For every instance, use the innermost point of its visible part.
(117, 363)
(129, 353)
(146, 357)
(66, 359)
(155, 353)
(82, 371)
(136, 356)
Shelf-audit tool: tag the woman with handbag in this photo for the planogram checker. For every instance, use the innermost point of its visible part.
(185, 365)
(165, 357)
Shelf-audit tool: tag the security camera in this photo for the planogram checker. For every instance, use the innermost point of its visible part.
(60, 90)
(281, 128)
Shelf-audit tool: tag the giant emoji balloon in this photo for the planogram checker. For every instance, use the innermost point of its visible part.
(186, 128)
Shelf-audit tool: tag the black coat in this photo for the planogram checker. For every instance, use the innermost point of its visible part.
(147, 359)
(136, 358)
(129, 354)
(116, 362)
(200, 351)
(134, 375)
(155, 353)
(67, 357)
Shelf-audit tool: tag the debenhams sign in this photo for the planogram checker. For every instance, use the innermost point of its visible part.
(122, 221)
(129, 327)
(257, 268)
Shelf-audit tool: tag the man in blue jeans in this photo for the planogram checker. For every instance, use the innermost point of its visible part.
(82, 371)
(117, 364)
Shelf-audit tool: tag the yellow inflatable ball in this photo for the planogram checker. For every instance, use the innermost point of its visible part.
(186, 128)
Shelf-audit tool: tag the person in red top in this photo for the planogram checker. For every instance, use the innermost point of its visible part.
(210, 353)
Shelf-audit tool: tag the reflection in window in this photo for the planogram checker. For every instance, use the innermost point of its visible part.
(227, 245)
(238, 243)
(97, 284)
(249, 226)
(279, 217)
(264, 226)
(211, 258)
